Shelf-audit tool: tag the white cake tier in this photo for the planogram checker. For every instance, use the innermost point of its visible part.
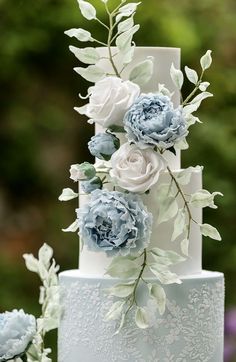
(95, 263)
(190, 330)
(162, 59)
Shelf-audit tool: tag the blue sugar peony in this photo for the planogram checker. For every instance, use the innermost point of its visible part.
(103, 145)
(91, 185)
(153, 121)
(17, 331)
(114, 222)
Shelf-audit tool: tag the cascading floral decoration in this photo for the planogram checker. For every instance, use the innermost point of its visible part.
(22, 336)
(115, 219)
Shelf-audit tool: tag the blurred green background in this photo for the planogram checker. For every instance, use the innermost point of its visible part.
(41, 135)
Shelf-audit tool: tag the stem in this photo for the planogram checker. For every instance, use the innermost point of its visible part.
(100, 42)
(194, 91)
(114, 37)
(180, 191)
(118, 7)
(133, 296)
(141, 271)
(125, 66)
(103, 172)
(100, 22)
(109, 41)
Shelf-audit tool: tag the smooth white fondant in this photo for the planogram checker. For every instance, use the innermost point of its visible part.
(162, 58)
(96, 262)
(190, 330)
(76, 273)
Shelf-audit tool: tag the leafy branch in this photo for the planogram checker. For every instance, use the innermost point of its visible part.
(190, 96)
(158, 262)
(132, 299)
(109, 40)
(120, 34)
(49, 299)
(186, 204)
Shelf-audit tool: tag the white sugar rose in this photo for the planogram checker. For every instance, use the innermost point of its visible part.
(134, 169)
(109, 100)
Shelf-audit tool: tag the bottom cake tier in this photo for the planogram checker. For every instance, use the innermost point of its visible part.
(190, 330)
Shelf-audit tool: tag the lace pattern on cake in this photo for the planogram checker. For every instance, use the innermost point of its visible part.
(189, 331)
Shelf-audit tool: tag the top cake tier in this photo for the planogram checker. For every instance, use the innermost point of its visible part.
(162, 60)
(96, 263)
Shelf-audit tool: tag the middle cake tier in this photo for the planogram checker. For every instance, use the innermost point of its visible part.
(96, 263)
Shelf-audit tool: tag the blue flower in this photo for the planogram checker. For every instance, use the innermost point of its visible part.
(153, 121)
(91, 185)
(17, 331)
(103, 145)
(114, 222)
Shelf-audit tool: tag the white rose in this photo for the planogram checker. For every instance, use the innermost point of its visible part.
(134, 169)
(109, 100)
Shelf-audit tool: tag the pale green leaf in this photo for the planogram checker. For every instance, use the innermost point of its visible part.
(42, 294)
(167, 257)
(122, 290)
(67, 194)
(127, 10)
(72, 228)
(124, 40)
(191, 120)
(122, 322)
(183, 177)
(182, 144)
(31, 262)
(210, 231)
(45, 254)
(122, 267)
(142, 72)
(42, 271)
(191, 75)
(115, 311)
(168, 208)
(86, 55)
(164, 275)
(179, 224)
(87, 10)
(184, 245)
(125, 25)
(176, 76)
(166, 190)
(80, 34)
(141, 318)
(50, 323)
(204, 198)
(203, 86)
(206, 60)
(92, 73)
(191, 108)
(200, 97)
(163, 90)
(127, 56)
(158, 294)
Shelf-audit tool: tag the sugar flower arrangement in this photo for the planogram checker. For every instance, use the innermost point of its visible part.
(22, 335)
(115, 219)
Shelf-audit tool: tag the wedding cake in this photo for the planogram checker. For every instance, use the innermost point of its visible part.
(139, 294)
